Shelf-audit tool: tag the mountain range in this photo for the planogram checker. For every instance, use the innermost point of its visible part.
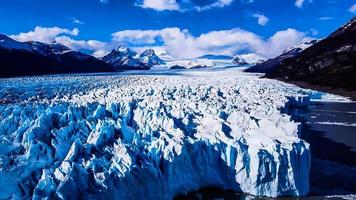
(124, 58)
(36, 58)
(327, 62)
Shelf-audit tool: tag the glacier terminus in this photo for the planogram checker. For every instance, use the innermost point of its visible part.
(151, 136)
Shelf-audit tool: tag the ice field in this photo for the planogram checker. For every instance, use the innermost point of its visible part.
(151, 135)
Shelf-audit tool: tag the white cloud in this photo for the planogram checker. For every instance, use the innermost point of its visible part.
(282, 40)
(299, 3)
(182, 44)
(60, 35)
(160, 5)
(76, 21)
(93, 45)
(177, 42)
(182, 6)
(352, 9)
(261, 19)
(216, 4)
(44, 34)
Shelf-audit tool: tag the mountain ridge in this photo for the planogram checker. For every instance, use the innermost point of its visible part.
(271, 64)
(36, 58)
(329, 62)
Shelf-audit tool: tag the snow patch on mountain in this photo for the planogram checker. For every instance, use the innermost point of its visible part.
(46, 49)
(252, 58)
(294, 50)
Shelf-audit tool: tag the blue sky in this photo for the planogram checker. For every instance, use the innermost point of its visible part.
(211, 26)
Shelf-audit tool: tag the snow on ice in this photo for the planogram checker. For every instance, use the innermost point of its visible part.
(137, 136)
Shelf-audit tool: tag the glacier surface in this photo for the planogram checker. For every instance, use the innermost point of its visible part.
(150, 136)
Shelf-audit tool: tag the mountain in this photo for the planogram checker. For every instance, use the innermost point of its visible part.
(195, 63)
(36, 58)
(149, 58)
(329, 62)
(47, 49)
(239, 60)
(210, 61)
(271, 64)
(248, 59)
(124, 59)
(253, 59)
(11, 44)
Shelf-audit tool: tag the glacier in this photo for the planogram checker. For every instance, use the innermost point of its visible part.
(150, 136)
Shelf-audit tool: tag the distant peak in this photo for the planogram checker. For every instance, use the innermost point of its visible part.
(150, 58)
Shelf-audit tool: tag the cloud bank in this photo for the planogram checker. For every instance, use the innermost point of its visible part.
(182, 44)
(44, 34)
(179, 43)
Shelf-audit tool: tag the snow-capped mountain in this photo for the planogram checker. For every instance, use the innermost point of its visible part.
(328, 62)
(239, 60)
(211, 61)
(51, 48)
(124, 58)
(293, 51)
(272, 63)
(253, 58)
(149, 58)
(37, 58)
